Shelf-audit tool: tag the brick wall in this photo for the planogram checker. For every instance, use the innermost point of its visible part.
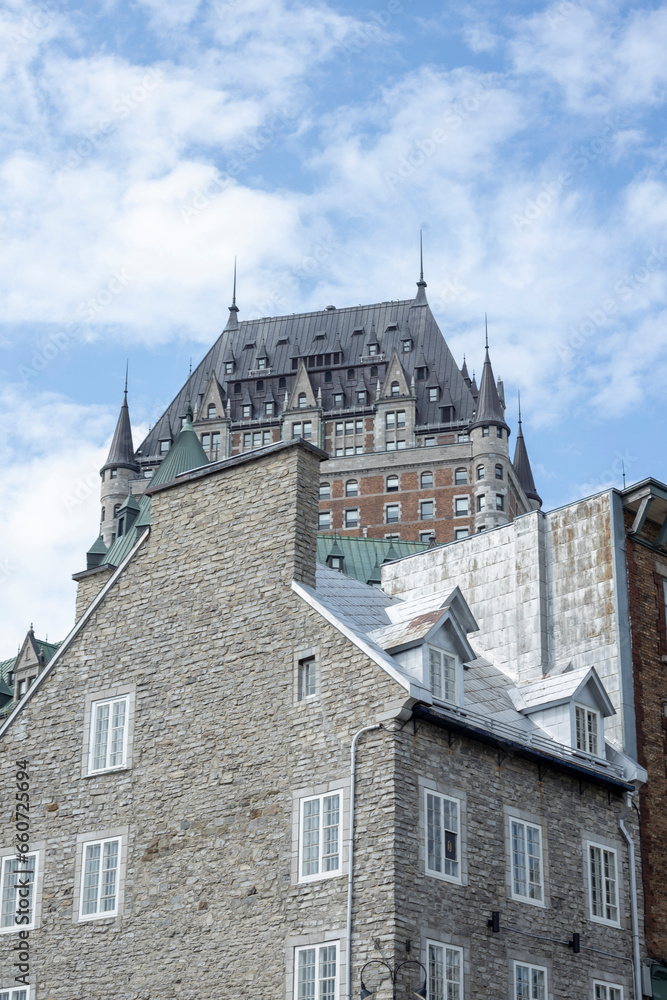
(646, 571)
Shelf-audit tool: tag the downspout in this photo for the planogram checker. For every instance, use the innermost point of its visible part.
(350, 859)
(633, 897)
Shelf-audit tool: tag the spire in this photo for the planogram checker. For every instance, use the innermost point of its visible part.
(121, 452)
(464, 372)
(489, 406)
(232, 322)
(188, 399)
(522, 467)
(420, 297)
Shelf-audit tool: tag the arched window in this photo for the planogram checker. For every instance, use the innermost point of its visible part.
(211, 411)
(499, 472)
(427, 479)
(303, 402)
(461, 477)
(351, 374)
(395, 388)
(392, 484)
(352, 488)
(480, 472)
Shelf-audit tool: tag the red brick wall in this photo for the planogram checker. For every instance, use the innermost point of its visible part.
(649, 644)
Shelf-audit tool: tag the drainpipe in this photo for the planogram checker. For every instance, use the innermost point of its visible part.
(633, 897)
(350, 858)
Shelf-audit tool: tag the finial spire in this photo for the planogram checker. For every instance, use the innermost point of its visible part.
(127, 371)
(420, 297)
(232, 322)
(519, 396)
(421, 257)
(486, 332)
(234, 292)
(188, 401)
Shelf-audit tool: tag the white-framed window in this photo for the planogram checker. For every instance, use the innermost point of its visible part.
(324, 520)
(442, 675)
(443, 836)
(392, 484)
(607, 991)
(587, 729)
(460, 477)
(320, 836)
(603, 884)
(433, 394)
(349, 426)
(304, 430)
(427, 510)
(269, 408)
(108, 734)
(461, 533)
(352, 488)
(527, 866)
(530, 982)
(351, 518)
(18, 879)
(99, 878)
(392, 513)
(338, 400)
(462, 437)
(246, 411)
(307, 678)
(426, 479)
(325, 491)
(16, 993)
(461, 506)
(445, 971)
(316, 972)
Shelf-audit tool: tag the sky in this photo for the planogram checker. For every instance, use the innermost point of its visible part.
(145, 145)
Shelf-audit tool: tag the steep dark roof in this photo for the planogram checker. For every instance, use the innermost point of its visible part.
(489, 407)
(121, 453)
(521, 464)
(320, 333)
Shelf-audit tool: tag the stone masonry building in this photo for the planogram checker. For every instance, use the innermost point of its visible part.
(251, 776)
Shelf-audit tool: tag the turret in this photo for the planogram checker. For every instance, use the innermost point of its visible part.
(524, 473)
(117, 472)
(491, 465)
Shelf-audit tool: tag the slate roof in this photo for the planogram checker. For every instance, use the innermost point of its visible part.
(561, 687)
(121, 453)
(489, 407)
(521, 464)
(320, 333)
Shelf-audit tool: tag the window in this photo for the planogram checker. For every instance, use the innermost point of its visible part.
(421, 374)
(17, 875)
(463, 437)
(530, 982)
(390, 421)
(302, 401)
(373, 350)
(229, 367)
(339, 429)
(485, 432)
(426, 479)
(461, 506)
(304, 430)
(108, 730)
(99, 884)
(392, 513)
(325, 491)
(320, 836)
(480, 472)
(104, 510)
(269, 409)
(460, 533)
(237, 389)
(400, 418)
(328, 377)
(361, 398)
(113, 473)
(427, 536)
(148, 474)
(316, 972)
(390, 445)
(499, 472)
(392, 484)
(338, 399)
(602, 872)
(429, 442)
(587, 728)
(607, 991)
(339, 452)
(164, 447)
(433, 394)
(206, 441)
(15, 993)
(349, 426)
(526, 862)
(261, 363)
(351, 374)
(247, 440)
(336, 562)
(395, 389)
(499, 432)
(443, 857)
(358, 449)
(500, 501)
(116, 509)
(460, 477)
(426, 510)
(324, 520)
(359, 427)
(247, 411)
(352, 488)
(442, 674)
(374, 371)
(211, 412)
(407, 346)
(282, 383)
(445, 972)
(481, 502)
(351, 518)
(307, 678)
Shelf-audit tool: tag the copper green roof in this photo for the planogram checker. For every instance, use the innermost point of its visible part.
(124, 543)
(362, 557)
(185, 454)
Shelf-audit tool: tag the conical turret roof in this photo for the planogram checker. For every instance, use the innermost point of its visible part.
(185, 454)
(489, 407)
(521, 464)
(121, 453)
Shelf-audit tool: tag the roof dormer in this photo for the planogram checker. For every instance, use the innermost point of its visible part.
(571, 707)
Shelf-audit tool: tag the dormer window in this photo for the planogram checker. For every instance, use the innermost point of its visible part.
(211, 412)
(229, 367)
(261, 363)
(303, 401)
(587, 726)
(247, 411)
(395, 389)
(442, 674)
(373, 350)
(407, 346)
(433, 394)
(338, 399)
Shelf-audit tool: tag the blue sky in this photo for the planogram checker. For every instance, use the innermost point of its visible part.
(144, 145)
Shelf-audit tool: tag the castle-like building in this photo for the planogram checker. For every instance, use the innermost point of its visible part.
(416, 451)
